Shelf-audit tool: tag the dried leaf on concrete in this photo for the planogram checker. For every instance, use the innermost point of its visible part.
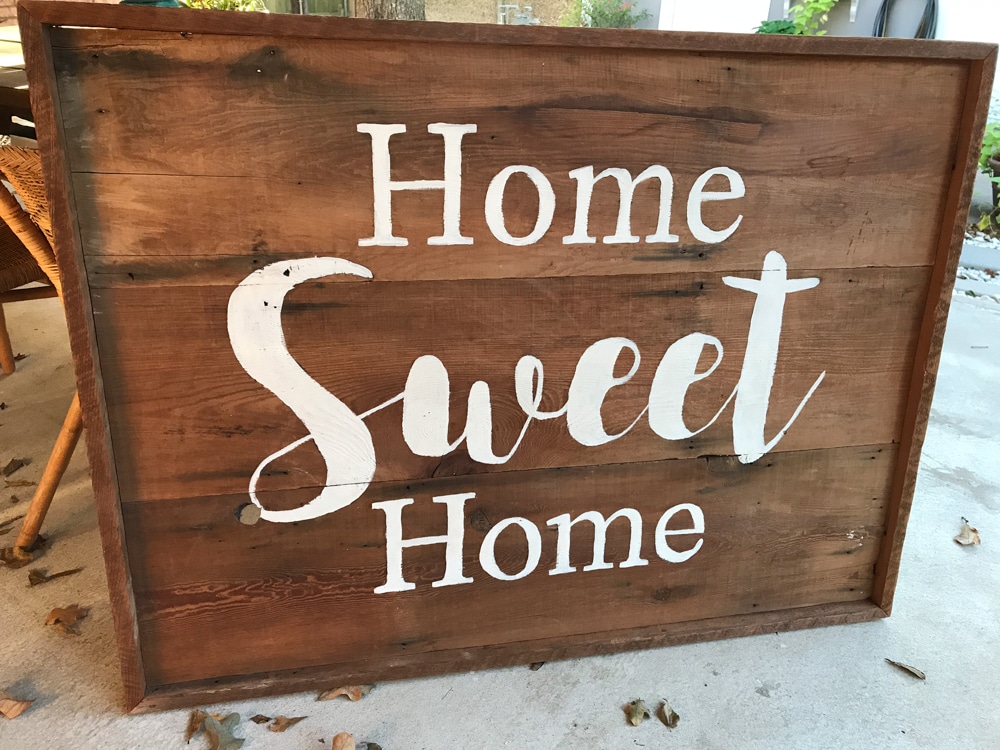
(195, 722)
(18, 483)
(968, 535)
(221, 735)
(260, 719)
(343, 741)
(908, 669)
(37, 576)
(64, 619)
(281, 723)
(13, 465)
(8, 525)
(12, 707)
(20, 356)
(351, 692)
(668, 716)
(636, 712)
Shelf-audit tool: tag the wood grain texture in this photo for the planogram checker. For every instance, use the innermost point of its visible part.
(505, 655)
(933, 324)
(80, 322)
(352, 339)
(221, 23)
(853, 189)
(803, 528)
(188, 149)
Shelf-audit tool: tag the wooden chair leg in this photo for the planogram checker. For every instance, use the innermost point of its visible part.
(6, 353)
(69, 435)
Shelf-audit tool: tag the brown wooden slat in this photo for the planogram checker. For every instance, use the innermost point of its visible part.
(933, 324)
(803, 529)
(166, 429)
(405, 666)
(80, 322)
(136, 226)
(202, 101)
(220, 23)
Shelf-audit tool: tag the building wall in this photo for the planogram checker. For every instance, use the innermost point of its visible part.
(485, 11)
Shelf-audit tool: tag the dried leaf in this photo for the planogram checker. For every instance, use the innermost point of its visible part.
(37, 576)
(19, 356)
(281, 723)
(668, 716)
(968, 535)
(18, 483)
(636, 712)
(907, 668)
(351, 692)
(195, 722)
(64, 619)
(12, 707)
(260, 719)
(13, 465)
(343, 741)
(220, 733)
(248, 514)
(536, 666)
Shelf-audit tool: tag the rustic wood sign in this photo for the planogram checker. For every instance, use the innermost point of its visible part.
(407, 348)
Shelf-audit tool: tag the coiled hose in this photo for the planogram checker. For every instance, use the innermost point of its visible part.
(927, 29)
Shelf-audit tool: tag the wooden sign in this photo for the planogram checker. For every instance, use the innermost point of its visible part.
(407, 348)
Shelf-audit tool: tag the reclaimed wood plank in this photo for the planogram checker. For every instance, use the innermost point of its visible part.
(166, 428)
(131, 240)
(803, 529)
(86, 358)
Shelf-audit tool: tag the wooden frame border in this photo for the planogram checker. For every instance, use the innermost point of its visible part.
(37, 17)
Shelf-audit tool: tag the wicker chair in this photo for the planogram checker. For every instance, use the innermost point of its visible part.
(31, 223)
(17, 268)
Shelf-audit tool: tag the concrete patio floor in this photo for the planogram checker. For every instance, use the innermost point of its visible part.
(825, 688)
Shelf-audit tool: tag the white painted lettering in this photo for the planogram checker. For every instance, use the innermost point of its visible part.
(594, 377)
(585, 181)
(662, 533)
(487, 553)
(698, 196)
(494, 205)
(383, 185)
(453, 540)
(257, 339)
(565, 526)
(757, 377)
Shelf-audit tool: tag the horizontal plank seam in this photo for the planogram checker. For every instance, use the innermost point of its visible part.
(415, 480)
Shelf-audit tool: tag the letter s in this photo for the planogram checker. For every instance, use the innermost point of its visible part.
(258, 342)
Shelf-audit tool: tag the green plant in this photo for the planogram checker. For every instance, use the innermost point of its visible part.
(247, 5)
(603, 14)
(806, 19)
(990, 149)
(780, 26)
(810, 15)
